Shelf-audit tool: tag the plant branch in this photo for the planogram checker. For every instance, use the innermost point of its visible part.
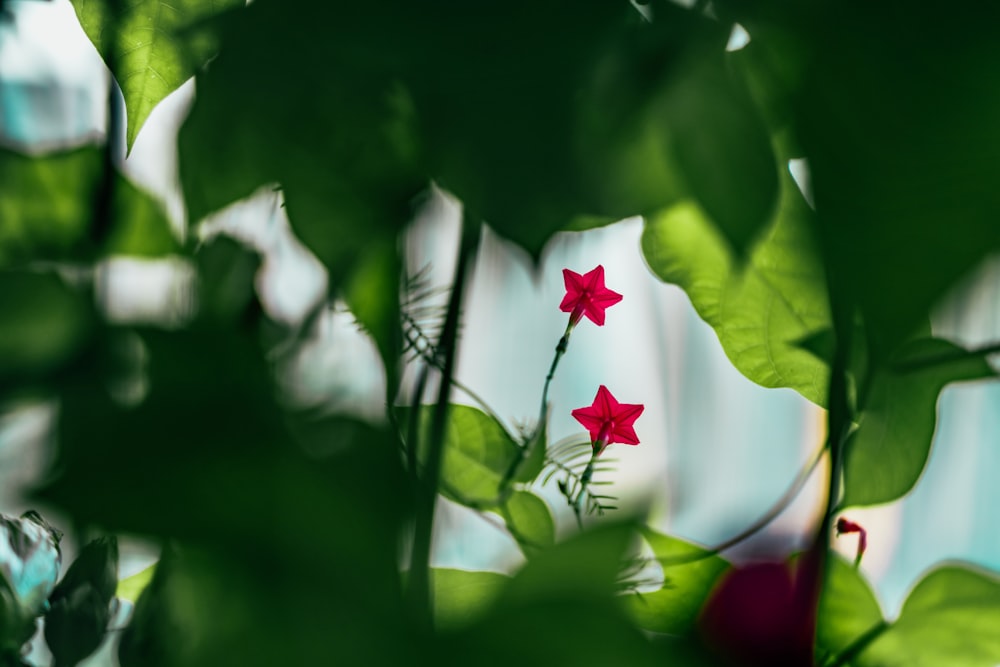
(912, 365)
(419, 587)
(858, 645)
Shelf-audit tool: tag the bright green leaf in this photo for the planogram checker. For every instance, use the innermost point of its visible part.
(47, 210)
(130, 588)
(147, 47)
(951, 618)
(848, 609)
(689, 574)
(461, 597)
(761, 312)
(529, 520)
(478, 454)
(887, 453)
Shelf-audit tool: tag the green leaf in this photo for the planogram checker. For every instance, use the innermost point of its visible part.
(462, 597)
(689, 574)
(887, 453)
(586, 565)
(337, 136)
(760, 313)
(848, 608)
(533, 463)
(478, 454)
(529, 520)
(146, 46)
(47, 210)
(372, 294)
(43, 324)
(899, 153)
(130, 588)
(950, 618)
(723, 149)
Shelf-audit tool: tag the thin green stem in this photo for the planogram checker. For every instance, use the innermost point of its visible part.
(775, 510)
(857, 646)
(419, 589)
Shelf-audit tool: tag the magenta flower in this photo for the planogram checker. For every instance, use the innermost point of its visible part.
(587, 295)
(609, 421)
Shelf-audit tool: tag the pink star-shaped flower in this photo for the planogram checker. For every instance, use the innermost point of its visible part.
(587, 295)
(608, 420)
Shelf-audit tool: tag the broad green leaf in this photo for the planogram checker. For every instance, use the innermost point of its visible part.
(899, 154)
(296, 98)
(723, 149)
(848, 609)
(759, 312)
(887, 453)
(149, 45)
(130, 588)
(478, 454)
(461, 596)
(586, 565)
(950, 618)
(43, 324)
(689, 574)
(47, 210)
(529, 520)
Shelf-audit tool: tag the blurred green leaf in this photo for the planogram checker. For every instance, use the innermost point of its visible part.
(887, 453)
(586, 565)
(761, 312)
(950, 618)
(227, 270)
(130, 588)
(337, 136)
(723, 149)
(900, 155)
(47, 210)
(461, 596)
(44, 324)
(478, 453)
(372, 294)
(689, 574)
(848, 609)
(529, 520)
(146, 45)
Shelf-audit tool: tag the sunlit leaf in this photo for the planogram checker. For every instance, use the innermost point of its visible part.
(529, 520)
(48, 207)
(887, 453)
(848, 608)
(689, 573)
(478, 454)
(950, 618)
(130, 588)
(146, 45)
(761, 312)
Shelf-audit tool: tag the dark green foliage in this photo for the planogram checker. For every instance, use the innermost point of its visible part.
(81, 604)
